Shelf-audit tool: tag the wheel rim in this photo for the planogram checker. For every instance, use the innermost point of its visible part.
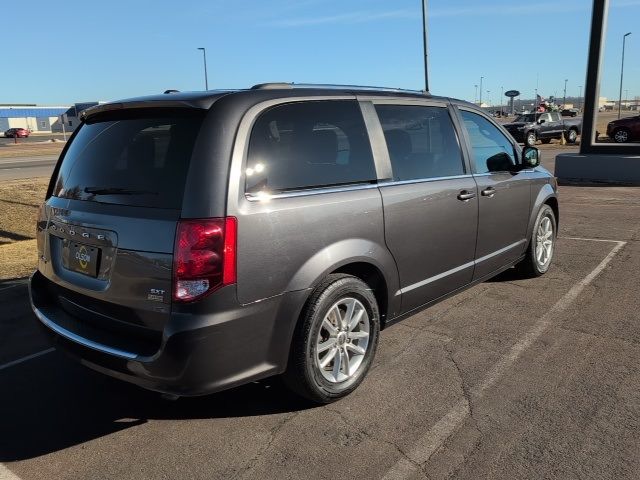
(621, 136)
(544, 241)
(342, 341)
(572, 136)
(531, 139)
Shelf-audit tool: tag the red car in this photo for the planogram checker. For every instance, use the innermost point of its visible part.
(17, 132)
(624, 129)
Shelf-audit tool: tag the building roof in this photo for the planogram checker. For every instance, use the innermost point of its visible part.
(9, 112)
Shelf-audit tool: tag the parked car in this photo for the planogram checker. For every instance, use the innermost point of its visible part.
(624, 129)
(529, 128)
(570, 112)
(17, 133)
(192, 242)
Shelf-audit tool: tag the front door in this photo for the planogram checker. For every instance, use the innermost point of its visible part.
(431, 206)
(504, 195)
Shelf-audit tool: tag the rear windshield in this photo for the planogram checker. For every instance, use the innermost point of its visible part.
(137, 158)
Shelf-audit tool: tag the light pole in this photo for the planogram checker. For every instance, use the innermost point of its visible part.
(475, 95)
(501, 94)
(204, 57)
(480, 100)
(489, 98)
(624, 39)
(564, 97)
(580, 97)
(424, 43)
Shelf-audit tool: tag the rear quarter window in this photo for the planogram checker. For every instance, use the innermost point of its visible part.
(308, 145)
(130, 158)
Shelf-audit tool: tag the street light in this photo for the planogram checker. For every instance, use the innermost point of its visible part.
(204, 57)
(475, 95)
(624, 39)
(425, 45)
(480, 100)
(564, 98)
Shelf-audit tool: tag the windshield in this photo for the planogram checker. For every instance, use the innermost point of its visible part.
(528, 118)
(130, 158)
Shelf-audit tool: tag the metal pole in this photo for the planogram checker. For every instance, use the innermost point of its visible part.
(204, 56)
(580, 97)
(624, 39)
(501, 95)
(475, 95)
(480, 101)
(425, 44)
(564, 98)
(64, 130)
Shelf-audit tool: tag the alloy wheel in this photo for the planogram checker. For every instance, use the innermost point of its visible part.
(544, 241)
(342, 340)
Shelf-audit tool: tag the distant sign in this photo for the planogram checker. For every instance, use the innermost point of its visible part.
(511, 93)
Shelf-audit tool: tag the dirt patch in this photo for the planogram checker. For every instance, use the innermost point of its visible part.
(19, 203)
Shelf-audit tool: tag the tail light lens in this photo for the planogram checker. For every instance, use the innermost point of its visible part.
(204, 257)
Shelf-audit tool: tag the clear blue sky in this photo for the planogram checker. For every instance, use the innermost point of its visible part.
(84, 50)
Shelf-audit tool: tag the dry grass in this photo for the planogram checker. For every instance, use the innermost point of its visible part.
(18, 259)
(19, 202)
(30, 149)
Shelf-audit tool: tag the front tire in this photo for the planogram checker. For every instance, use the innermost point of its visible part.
(541, 245)
(621, 135)
(335, 340)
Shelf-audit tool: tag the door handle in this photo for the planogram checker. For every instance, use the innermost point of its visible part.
(488, 192)
(465, 195)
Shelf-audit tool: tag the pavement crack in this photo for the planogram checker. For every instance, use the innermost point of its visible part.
(273, 432)
(363, 431)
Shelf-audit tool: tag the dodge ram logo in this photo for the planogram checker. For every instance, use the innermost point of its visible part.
(83, 257)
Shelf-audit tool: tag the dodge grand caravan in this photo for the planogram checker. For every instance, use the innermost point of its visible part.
(192, 242)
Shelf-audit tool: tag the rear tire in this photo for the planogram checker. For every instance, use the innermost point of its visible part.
(335, 340)
(541, 245)
(571, 136)
(530, 139)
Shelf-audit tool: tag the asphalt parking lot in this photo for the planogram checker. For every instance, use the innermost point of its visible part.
(512, 379)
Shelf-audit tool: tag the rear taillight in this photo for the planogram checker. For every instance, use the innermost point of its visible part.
(204, 257)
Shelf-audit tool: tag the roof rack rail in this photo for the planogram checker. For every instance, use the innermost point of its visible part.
(281, 85)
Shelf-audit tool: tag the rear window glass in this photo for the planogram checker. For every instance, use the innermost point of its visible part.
(309, 144)
(130, 158)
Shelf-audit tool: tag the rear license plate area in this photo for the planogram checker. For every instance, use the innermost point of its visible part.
(81, 258)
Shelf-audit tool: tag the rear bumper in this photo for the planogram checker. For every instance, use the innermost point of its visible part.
(200, 352)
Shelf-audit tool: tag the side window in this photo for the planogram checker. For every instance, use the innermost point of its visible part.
(556, 117)
(421, 140)
(492, 151)
(309, 144)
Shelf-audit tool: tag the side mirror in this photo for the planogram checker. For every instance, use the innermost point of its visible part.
(541, 121)
(530, 157)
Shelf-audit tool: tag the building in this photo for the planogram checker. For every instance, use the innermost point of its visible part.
(36, 119)
(46, 119)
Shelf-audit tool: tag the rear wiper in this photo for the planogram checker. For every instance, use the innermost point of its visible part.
(116, 191)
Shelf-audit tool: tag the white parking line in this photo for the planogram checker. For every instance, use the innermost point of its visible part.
(24, 359)
(429, 443)
(6, 474)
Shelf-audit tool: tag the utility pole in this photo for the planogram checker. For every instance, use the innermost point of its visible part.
(480, 101)
(475, 95)
(425, 44)
(204, 56)
(564, 97)
(624, 39)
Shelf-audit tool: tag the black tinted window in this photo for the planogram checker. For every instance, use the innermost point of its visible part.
(130, 158)
(492, 151)
(309, 144)
(422, 142)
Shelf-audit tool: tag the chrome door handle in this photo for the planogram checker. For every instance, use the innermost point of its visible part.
(489, 192)
(465, 195)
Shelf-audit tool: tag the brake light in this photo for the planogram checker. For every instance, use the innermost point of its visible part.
(204, 257)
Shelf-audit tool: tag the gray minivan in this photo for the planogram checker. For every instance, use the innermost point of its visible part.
(192, 242)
